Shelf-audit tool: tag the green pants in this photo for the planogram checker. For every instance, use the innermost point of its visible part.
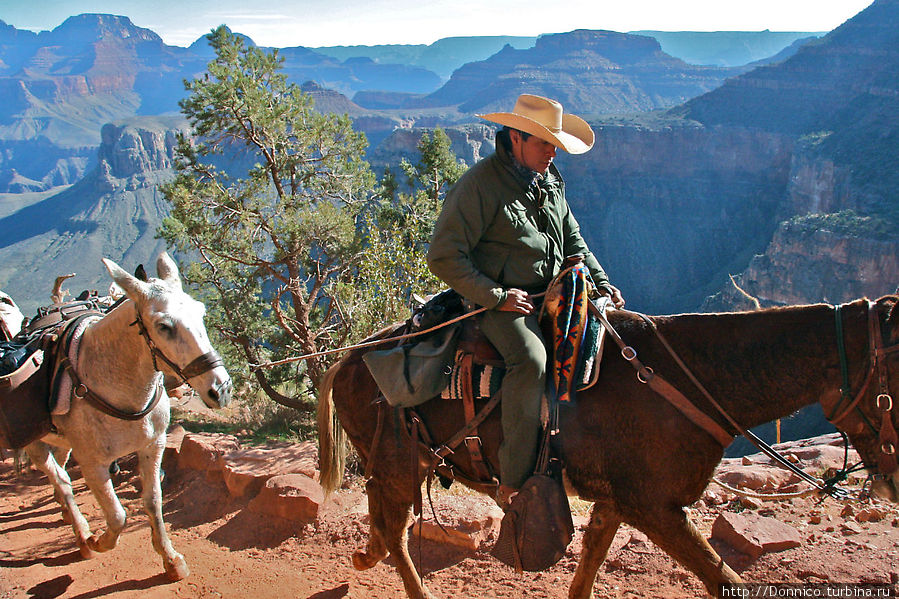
(518, 339)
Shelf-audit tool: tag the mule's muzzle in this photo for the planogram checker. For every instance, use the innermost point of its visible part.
(219, 394)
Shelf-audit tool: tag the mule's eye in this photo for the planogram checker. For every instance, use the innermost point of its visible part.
(166, 328)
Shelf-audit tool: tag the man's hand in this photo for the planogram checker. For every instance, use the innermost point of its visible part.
(617, 299)
(517, 301)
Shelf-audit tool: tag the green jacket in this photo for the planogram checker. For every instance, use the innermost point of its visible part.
(497, 231)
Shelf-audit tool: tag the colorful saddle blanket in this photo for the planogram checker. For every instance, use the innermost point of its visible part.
(575, 333)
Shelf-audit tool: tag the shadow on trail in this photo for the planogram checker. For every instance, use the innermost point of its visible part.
(126, 585)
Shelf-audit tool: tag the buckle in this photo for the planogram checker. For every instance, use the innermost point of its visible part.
(442, 451)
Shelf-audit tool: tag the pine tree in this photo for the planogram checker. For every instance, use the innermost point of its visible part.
(267, 196)
(399, 229)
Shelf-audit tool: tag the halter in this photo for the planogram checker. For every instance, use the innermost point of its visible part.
(883, 401)
(208, 361)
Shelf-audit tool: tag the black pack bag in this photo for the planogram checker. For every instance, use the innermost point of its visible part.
(537, 527)
(24, 394)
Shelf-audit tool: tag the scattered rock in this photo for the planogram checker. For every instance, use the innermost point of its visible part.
(753, 534)
(638, 543)
(246, 470)
(756, 478)
(201, 451)
(715, 495)
(850, 528)
(750, 503)
(290, 496)
(467, 527)
(173, 440)
(870, 514)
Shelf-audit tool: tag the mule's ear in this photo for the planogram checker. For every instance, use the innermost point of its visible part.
(168, 270)
(131, 285)
(140, 273)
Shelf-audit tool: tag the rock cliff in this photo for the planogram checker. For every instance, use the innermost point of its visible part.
(669, 207)
(113, 212)
(838, 98)
(811, 264)
(587, 71)
(470, 143)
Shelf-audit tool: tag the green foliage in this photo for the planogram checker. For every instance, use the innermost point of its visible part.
(296, 251)
(275, 243)
(397, 231)
(846, 223)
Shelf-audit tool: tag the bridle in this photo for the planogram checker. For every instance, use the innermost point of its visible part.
(204, 363)
(883, 401)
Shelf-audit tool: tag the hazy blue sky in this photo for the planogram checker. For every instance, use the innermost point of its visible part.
(345, 22)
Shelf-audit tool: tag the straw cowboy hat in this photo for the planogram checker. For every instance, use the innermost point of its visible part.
(544, 118)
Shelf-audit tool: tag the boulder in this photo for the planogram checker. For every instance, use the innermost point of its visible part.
(290, 496)
(467, 526)
(753, 534)
(201, 451)
(758, 477)
(245, 471)
(172, 452)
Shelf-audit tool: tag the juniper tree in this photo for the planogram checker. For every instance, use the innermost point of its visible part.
(267, 195)
(399, 228)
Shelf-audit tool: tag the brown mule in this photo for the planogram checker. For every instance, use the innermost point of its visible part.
(627, 449)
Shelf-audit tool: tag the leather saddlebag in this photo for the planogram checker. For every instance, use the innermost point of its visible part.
(537, 527)
(24, 394)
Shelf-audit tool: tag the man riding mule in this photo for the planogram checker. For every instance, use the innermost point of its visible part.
(627, 448)
(503, 234)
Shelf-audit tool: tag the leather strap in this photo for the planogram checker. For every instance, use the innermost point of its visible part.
(79, 389)
(886, 459)
(663, 387)
(472, 440)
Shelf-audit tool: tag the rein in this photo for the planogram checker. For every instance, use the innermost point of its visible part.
(370, 343)
(667, 391)
(374, 342)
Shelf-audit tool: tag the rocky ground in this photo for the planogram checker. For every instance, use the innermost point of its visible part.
(220, 519)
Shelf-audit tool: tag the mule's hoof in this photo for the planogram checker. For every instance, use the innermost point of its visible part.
(94, 544)
(177, 569)
(85, 550)
(363, 561)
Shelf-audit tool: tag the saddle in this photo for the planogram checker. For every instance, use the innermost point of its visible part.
(28, 365)
(476, 369)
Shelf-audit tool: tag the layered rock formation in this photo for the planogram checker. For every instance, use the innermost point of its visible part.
(62, 85)
(673, 204)
(803, 265)
(839, 98)
(669, 207)
(113, 211)
(588, 71)
(470, 143)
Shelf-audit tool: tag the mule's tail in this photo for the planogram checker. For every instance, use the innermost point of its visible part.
(332, 449)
